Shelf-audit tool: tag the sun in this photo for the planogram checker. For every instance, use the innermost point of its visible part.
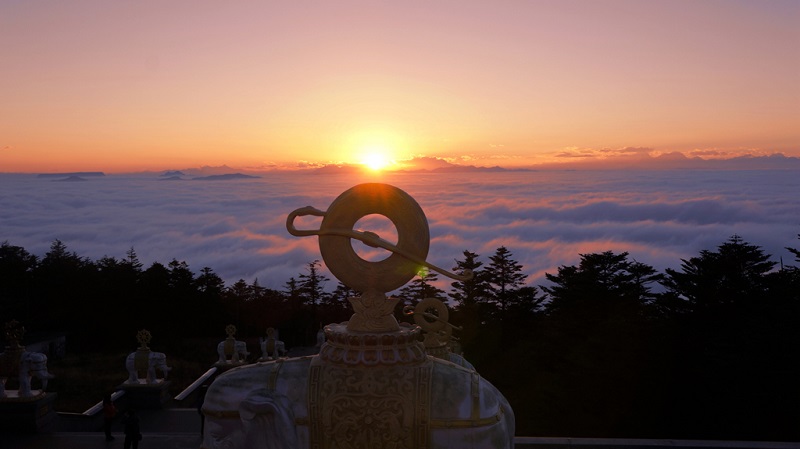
(376, 157)
(375, 161)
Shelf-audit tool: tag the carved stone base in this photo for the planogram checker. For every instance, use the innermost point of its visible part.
(364, 408)
(222, 367)
(343, 347)
(370, 389)
(28, 414)
(146, 396)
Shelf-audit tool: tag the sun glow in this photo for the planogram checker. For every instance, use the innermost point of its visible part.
(376, 161)
(376, 158)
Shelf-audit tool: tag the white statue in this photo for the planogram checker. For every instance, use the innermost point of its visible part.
(369, 399)
(231, 350)
(154, 361)
(143, 359)
(271, 347)
(22, 364)
(372, 383)
(32, 364)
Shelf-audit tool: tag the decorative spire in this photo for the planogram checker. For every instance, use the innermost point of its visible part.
(144, 337)
(230, 330)
(14, 331)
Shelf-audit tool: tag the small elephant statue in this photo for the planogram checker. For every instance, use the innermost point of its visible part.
(362, 390)
(235, 349)
(155, 360)
(271, 349)
(29, 365)
(32, 364)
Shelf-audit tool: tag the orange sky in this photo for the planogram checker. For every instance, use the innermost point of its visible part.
(120, 86)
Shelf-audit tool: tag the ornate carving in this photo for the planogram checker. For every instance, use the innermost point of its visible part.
(370, 389)
(372, 349)
(373, 313)
(356, 408)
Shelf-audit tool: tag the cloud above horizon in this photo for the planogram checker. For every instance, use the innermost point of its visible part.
(637, 158)
(546, 218)
(650, 158)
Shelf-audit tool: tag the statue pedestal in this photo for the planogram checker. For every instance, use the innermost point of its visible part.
(143, 395)
(370, 389)
(28, 414)
(222, 367)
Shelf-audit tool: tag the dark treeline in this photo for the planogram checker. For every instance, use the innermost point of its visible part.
(609, 348)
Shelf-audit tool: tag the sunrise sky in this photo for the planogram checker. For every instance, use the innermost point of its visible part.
(149, 85)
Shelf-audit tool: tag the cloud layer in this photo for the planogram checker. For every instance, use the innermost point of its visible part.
(546, 218)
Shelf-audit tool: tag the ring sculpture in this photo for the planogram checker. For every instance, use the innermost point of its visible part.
(372, 385)
(336, 230)
(438, 331)
(373, 311)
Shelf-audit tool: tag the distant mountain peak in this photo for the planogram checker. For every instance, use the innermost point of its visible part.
(71, 174)
(225, 177)
(173, 173)
(71, 179)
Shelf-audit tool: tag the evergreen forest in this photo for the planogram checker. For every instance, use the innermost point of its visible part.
(609, 347)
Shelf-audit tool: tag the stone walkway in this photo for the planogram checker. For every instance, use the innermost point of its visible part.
(179, 428)
(165, 440)
(96, 440)
(176, 428)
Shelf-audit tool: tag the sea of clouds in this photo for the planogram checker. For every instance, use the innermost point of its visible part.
(546, 218)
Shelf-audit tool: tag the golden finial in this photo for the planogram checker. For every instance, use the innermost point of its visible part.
(230, 330)
(14, 332)
(144, 337)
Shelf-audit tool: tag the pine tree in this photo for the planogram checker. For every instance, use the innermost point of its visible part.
(736, 273)
(468, 293)
(504, 276)
(132, 260)
(795, 251)
(63, 280)
(181, 278)
(292, 291)
(311, 285)
(601, 277)
(209, 282)
(239, 291)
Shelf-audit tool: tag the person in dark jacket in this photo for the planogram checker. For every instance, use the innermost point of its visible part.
(132, 432)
